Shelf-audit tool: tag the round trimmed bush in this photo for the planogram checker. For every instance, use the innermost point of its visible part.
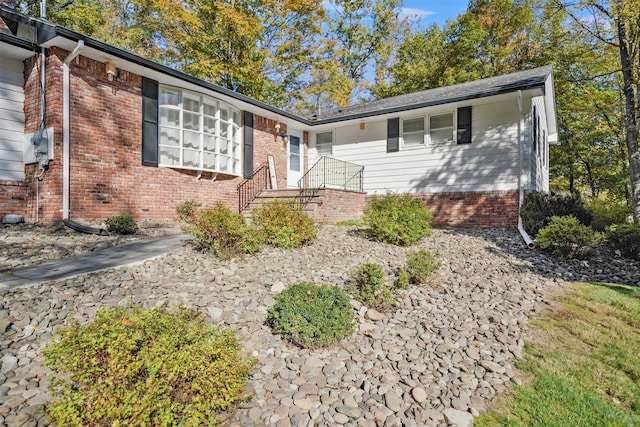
(538, 208)
(367, 284)
(121, 224)
(284, 225)
(397, 219)
(312, 316)
(421, 265)
(565, 236)
(137, 367)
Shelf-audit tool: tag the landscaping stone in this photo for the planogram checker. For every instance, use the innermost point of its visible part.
(437, 357)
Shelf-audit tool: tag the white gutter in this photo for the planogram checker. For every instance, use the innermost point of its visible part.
(65, 128)
(525, 236)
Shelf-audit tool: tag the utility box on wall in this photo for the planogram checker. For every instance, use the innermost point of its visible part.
(38, 146)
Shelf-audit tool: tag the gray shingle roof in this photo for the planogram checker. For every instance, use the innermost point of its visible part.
(443, 95)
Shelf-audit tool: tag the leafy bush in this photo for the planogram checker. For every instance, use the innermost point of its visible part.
(284, 225)
(538, 208)
(187, 210)
(224, 233)
(626, 239)
(367, 284)
(397, 219)
(121, 224)
(566, 236)
(421, 265)
(607, 212)
(137, 367)
(312, 316)
(403, 280)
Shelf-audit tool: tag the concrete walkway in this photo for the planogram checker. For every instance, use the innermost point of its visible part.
(102, 259)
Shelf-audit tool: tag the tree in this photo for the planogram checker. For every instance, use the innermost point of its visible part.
(616, 24)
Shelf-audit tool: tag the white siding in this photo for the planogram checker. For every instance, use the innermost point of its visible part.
(539, 160)
(11, 119)
(489, 163)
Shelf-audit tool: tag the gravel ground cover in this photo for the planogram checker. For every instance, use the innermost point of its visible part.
(436, 360)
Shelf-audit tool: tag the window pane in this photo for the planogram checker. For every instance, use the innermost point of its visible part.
(444, 135)
(169, 156)
(209, 160)
(169, 117)
(169, 137)
(294, 162)
(224, 164)
(209, 125)
(191, 139)
(209, 142)
(224, 130)
(191, 158)
(414, 138)
(224, 146)
(224, 114)
(236, 117)
(324, 142)
(413, 125)
(210, 110)
(191, 121)
(294, 145)
(191, 104)
(169, 97)
(441, 121)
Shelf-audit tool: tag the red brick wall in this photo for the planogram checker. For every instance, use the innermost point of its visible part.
(473, 209)
(106, 173)
(338, 205)
(265, 142)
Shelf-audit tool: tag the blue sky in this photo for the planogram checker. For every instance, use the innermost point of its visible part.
(434, 11)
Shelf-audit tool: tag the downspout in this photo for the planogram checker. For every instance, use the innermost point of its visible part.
(65, 128)
(525, 236)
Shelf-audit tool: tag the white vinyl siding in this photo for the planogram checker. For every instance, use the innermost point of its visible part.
(11, 119)
(198, 132)
(490, 162)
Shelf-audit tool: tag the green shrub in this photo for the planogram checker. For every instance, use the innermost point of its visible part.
(421, 265)
(397, 219)
(312, 316)
(565, 236)
(367, 284)
(625, 238)
(607, 213)
(403, 280)
(121, 224)
(284, 225)
(224, 233)
(187, 210)
(538, 208)
(136, 367)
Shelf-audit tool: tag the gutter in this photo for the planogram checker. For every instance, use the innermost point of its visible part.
(66, 145)
(525, 236)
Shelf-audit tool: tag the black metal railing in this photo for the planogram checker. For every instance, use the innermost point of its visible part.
(329, 172)
(252, 186)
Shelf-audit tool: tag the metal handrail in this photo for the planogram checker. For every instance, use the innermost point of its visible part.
(249, 188)
(330, 172)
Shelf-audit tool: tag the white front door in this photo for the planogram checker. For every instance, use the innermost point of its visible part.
(295, 154)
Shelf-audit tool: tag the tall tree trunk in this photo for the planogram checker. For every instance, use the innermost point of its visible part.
(630, 123)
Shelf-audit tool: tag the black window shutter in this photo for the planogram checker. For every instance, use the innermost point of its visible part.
(464, 125)
(149, 122)
(393, 135)
(248, 144)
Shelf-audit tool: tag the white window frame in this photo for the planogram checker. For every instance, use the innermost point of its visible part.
(424, 131)
(228, 162)
(330, 153)
(454, 118)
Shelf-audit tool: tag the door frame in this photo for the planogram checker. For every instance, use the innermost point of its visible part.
(294, 176)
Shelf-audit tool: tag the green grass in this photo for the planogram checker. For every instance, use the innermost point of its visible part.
(582, 366)
(350, 223)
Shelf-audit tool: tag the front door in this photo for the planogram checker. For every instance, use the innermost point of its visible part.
(295, 157)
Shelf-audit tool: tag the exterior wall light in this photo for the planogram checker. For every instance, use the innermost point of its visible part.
(110, 68)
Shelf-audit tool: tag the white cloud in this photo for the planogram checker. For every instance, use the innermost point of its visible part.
(410, 12)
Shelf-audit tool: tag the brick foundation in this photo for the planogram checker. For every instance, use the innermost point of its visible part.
(339, 205)
(485, 209)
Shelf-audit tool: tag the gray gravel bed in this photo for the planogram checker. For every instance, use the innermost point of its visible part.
(437, 360)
